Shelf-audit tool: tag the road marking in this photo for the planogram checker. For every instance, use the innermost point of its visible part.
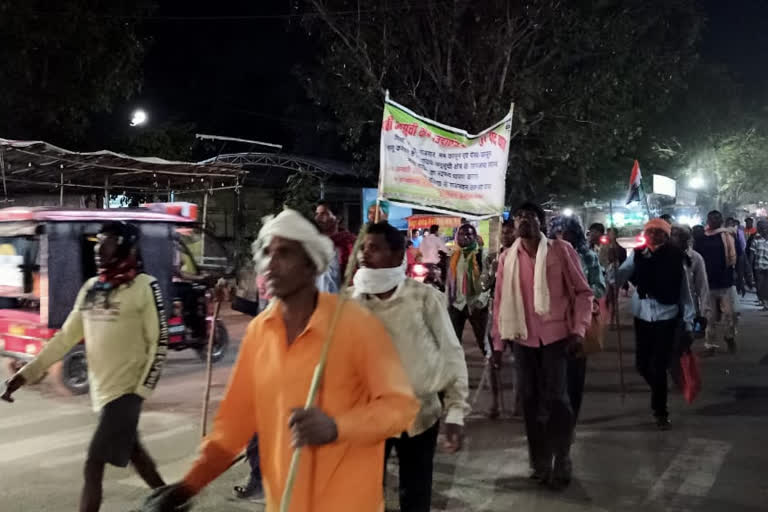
(699, 482)
(31, 446)
(171, 472)
(80, 457)
(692, 472)
(27, 418)
(157, 420)
(474, 479)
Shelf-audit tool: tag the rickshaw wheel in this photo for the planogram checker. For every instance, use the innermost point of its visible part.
(70, 376)
(220, 344)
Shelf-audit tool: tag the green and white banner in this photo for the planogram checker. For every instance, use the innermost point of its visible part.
(432, 166)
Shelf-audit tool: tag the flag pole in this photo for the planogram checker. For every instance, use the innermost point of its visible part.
(645, 200)
(615, 318)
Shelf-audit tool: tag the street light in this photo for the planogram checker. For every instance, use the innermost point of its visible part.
(697, 183)
(568, 212)
(139, 118)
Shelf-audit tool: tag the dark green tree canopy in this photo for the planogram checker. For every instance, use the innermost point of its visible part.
(64, 61)
(584, 76)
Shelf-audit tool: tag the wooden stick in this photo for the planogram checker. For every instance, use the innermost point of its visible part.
(285, 502)
(615, 313)
(209, 370)
(617, 325)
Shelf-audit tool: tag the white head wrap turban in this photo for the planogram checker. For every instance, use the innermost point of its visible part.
(291, 225)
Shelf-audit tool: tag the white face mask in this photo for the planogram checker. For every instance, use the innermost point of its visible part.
(379, 280)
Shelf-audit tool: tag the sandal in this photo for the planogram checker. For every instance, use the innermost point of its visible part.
(252, 490)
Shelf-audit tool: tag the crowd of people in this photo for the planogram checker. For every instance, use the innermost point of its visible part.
(396, 373)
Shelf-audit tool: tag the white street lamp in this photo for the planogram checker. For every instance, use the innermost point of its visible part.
(139, 118)
(568, 212)
(697, 183)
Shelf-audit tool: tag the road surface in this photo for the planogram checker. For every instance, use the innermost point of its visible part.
(711, 461)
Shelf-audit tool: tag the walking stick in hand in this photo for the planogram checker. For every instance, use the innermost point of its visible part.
(615, 315)
(285, 502)
(218, 297)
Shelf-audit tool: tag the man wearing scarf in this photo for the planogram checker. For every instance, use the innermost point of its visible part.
(719, 249)
(365, 396)
(120, 314)
(545, 307)
(466, 298)
(417, 319)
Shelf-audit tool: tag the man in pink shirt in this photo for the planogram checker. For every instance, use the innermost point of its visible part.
(544, 306)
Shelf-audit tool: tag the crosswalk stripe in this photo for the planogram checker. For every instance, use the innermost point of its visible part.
(22, 419)
(701, 480)
(37, 445)
(162, 425)
(470, 483)
(148, 439)
(171, 472)
(692, 472)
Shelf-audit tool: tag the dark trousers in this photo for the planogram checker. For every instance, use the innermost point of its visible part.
(543, 377)
(654, 342)
(252, 454)
(478, 319)
(761, 281)
(415, 455)
(577, 376)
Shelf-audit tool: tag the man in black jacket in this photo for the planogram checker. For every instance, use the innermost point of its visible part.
(720, 251)
(661, 300)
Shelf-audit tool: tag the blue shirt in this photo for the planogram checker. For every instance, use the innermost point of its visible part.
(330, 280)
(651, 310)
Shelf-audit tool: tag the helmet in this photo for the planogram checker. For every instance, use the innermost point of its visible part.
(127, 236)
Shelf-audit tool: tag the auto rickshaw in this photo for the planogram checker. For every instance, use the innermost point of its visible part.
(47, 254)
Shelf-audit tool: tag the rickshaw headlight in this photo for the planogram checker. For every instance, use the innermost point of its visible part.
(31, 349)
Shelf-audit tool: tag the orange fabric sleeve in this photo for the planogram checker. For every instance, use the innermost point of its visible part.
(392, 406)
(235, 422)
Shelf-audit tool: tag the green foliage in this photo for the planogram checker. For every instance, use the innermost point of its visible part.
(584, 76)
(716, 134)
(302, 192)
(64, 61)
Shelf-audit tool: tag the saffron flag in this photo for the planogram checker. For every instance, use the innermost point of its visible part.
(635, 182)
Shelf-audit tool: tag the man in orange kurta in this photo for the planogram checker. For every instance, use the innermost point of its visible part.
(365, 395)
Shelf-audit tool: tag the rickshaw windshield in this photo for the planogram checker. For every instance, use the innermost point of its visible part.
(188, 248)
(19, 266)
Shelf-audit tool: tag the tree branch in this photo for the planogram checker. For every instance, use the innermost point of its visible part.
(356, 51)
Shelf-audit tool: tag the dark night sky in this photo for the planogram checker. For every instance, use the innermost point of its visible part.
(230, 77)
(237, 78)
(736, 37)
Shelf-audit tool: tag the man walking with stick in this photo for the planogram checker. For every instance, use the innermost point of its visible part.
(662, 300)
(365, 396)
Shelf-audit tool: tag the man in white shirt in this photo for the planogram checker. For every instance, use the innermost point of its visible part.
(431, 246)
(417, 318)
